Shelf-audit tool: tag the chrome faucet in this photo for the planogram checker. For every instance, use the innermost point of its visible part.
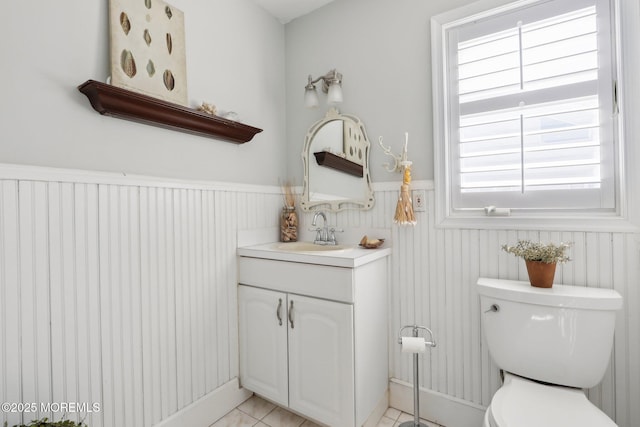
(324, 235)
(321, 233)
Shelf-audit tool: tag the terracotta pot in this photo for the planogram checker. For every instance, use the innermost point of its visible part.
(540, 273)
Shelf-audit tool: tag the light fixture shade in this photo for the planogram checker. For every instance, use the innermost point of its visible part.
(335, 94)
(311, 98)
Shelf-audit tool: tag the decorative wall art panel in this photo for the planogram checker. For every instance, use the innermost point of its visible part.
(148, 49)
(354, 145)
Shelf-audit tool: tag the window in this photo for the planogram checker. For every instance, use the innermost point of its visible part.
(526, 110)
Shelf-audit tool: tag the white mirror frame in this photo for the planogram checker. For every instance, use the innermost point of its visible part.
(367, 200)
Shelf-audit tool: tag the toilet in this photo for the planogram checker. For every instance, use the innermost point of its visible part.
(550, 344)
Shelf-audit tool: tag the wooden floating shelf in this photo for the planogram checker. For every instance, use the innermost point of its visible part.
(330, 160)
(117, 102)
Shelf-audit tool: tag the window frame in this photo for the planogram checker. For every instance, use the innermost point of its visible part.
(624, 217)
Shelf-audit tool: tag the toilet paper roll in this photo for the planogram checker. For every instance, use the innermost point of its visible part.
(413, 345)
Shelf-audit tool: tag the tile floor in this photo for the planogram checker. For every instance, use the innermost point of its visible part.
(257, 412)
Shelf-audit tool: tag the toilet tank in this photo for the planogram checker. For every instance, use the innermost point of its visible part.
(560, 335)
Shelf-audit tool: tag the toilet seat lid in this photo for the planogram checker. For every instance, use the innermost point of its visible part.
(524, 403)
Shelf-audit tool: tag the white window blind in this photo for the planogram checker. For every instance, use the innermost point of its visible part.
(531, 108)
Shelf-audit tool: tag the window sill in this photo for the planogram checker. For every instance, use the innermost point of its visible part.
(478, 220)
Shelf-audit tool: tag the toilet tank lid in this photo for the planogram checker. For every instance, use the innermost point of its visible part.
(557, 296)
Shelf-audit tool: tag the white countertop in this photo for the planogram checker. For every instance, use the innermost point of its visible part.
(351, 256)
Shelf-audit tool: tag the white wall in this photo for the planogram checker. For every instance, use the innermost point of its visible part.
(235, 60)
(383, 50)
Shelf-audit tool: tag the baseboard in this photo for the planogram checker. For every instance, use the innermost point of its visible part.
(378, 411)
(436, 407)
(210, 408)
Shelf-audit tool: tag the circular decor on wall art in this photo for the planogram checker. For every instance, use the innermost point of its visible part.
(134, 25)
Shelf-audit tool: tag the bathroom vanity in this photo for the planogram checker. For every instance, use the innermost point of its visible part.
(313, 330)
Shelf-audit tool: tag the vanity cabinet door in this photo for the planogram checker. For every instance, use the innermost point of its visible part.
(263, 342)
(321, 360)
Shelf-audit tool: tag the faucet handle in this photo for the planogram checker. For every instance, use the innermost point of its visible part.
(332, 235)
(318, 231)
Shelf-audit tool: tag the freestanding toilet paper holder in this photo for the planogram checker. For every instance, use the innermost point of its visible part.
(416, 387)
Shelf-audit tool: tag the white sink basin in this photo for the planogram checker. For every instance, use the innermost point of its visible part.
(309, 247)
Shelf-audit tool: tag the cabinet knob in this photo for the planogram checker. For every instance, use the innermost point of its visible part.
(493, 309)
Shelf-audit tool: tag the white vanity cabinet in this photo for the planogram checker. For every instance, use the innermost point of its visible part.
(299, 363)
(313, 334)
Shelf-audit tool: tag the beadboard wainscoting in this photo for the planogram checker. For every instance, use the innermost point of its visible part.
(122, 291)
(433, 277)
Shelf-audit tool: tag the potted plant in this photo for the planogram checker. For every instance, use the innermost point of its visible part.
(541, 259)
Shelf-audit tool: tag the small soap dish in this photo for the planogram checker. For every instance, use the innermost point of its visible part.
(368, 243)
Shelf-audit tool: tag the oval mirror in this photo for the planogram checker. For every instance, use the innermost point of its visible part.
(336, 165)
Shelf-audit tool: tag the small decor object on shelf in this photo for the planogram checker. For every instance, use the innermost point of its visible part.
(229, 115)
(208, 108)
(540, 259)
(289, 218)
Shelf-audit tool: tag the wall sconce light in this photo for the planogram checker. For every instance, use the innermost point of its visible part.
(331, 85)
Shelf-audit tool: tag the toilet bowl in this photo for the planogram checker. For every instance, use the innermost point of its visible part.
(525, 403)
(550, 344)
